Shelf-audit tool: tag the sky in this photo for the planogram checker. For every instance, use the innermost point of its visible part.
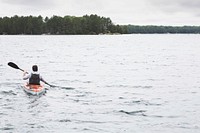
(123, 12)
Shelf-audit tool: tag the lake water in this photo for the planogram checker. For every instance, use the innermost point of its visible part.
(123, 83)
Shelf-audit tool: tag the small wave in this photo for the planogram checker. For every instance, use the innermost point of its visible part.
(8, 93)
(34, 125)
(7, 127)
(2, 114)
(4, 84)
(79, 81)
(128, 86)
(63, 81)
(156, 79)
(141, 113)
(137, 112)
(82, 121)
(65, 88)
(144, 87)
(87, 81)
(7, 88)
(185, 126)
(64, 120)
(81, 95)
(143, 102)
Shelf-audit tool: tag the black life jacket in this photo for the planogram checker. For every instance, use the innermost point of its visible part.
(34, 79)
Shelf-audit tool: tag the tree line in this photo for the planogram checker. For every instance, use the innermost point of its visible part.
(87, 24)
(134, 29)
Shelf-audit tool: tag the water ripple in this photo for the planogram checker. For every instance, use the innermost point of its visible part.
(7, 127)
(124, 83)
(64, 120)
(137, 112)
(144, 102)
(8, 92)
(143, 113)
(129, 86)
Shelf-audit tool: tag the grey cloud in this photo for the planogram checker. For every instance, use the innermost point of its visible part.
(122, 12)
(30, 3)
(191, 6)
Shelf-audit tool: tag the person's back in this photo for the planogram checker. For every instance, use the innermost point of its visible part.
(34, 79)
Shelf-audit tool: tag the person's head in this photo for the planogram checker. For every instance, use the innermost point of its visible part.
(35, 68)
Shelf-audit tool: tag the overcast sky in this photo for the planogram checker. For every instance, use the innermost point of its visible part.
(137, 12)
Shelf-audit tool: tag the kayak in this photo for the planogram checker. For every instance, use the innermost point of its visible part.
(34, 89)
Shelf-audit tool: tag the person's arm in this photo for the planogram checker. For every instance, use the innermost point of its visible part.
(26, 75)
(44, 81)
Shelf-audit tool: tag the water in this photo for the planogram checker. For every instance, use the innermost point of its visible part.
(123, 83)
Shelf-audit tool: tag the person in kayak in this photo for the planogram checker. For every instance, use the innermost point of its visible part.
(34, 77)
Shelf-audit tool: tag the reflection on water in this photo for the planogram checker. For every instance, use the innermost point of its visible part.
(123, 83)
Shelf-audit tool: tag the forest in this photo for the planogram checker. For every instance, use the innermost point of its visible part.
(31, 25)
(134, 29)
(85, 25)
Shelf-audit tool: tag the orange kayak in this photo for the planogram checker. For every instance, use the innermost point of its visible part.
(34, 89)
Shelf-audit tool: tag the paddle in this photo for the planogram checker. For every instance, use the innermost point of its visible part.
(13, 65)
(67, 88)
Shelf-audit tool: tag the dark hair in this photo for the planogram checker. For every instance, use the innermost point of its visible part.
(35, 68)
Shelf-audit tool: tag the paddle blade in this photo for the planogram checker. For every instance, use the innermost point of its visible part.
(61, 87)
(13, 65)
